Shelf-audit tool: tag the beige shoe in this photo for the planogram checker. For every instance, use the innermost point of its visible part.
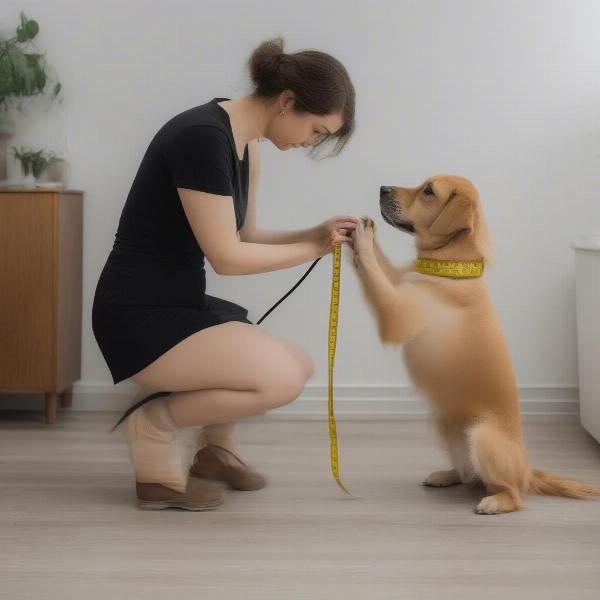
(209, 466)
(199, 495)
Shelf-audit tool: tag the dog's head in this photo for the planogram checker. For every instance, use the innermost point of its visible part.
(442, 210)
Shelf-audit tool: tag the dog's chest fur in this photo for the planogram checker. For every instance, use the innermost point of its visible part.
(451, 307)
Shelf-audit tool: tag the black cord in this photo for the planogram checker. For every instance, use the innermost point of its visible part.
(137, 405)
(159, 394)
(282, 299)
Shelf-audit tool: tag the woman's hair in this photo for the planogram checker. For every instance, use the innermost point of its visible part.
(319, 81)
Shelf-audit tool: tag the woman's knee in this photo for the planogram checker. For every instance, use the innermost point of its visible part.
(303, 357)
(284, 383)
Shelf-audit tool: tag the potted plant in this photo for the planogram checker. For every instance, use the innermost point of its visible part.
(51, 169)
(27, 160)
(41, 167)
(23, 73)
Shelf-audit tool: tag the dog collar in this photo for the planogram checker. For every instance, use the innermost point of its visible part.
(449, 268)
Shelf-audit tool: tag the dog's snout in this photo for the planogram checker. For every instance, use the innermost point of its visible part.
(384, 189)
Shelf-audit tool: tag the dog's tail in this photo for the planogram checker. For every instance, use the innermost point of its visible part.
(552, 484)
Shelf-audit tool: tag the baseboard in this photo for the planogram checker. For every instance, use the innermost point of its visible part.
(350, 402)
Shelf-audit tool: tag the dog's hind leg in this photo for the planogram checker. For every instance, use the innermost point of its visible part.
(501, 465)
(460, 456)
(458, 450)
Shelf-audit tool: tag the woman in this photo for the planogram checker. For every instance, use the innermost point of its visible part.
(152, 318)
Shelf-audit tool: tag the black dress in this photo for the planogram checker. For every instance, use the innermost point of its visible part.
(151, 293)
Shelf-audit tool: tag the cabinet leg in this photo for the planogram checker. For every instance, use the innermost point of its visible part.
(51, 402)
(66, 398)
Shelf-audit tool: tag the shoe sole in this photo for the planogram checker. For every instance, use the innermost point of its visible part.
(160, 504)
(229, 485)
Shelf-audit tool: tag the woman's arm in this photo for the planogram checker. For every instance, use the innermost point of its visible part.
(248, 258)
(249, 232)
(212, 219)
(283, 236)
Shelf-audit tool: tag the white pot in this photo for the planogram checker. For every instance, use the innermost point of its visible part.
(27, 180)
(56, 172)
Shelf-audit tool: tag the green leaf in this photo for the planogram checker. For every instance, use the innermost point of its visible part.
(21, 34)
(32, 28)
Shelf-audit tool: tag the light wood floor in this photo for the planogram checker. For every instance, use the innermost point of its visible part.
(70, 529)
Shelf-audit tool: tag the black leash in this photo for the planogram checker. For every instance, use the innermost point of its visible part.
(282, 299)
(160, 394)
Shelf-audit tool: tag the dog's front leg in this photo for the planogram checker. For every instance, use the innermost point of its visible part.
(398, 310)
(377, 288)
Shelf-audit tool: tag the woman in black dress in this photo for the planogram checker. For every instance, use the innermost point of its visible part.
(194, 197)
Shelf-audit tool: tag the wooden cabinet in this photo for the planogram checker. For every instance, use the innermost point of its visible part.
(40, 292)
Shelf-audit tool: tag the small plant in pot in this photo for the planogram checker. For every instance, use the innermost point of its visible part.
(39, 166)
(53, 169)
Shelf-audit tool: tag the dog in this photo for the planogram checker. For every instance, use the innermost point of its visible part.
(452, 341)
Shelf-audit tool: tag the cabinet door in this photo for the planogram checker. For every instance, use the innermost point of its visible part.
(27, 292)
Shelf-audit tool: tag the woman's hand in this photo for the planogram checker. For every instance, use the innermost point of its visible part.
(326, 244)
(333, 230)
(341, 223)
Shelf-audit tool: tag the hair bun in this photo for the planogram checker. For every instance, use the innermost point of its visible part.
(265, 62)
(274, 59)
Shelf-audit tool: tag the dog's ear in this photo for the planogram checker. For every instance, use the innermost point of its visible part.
(456, 215)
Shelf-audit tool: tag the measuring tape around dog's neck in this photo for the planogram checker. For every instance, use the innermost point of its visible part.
(449, 268)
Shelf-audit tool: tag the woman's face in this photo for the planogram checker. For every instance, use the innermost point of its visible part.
(294, 130)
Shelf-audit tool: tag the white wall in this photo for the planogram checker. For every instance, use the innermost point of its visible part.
(505, 93)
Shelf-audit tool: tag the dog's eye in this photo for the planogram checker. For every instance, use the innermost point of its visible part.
(428, 191)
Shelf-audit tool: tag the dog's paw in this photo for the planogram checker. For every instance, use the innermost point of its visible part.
(498, 503)
(368, 222)
(443, 478)
(488, 506)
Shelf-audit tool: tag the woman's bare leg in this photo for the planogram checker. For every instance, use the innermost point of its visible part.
(221, 434)
(219, 375)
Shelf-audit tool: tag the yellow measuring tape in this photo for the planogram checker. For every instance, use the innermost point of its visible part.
(333, 320)
(449, 268)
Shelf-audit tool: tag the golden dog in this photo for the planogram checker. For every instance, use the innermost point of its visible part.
(452, 342)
